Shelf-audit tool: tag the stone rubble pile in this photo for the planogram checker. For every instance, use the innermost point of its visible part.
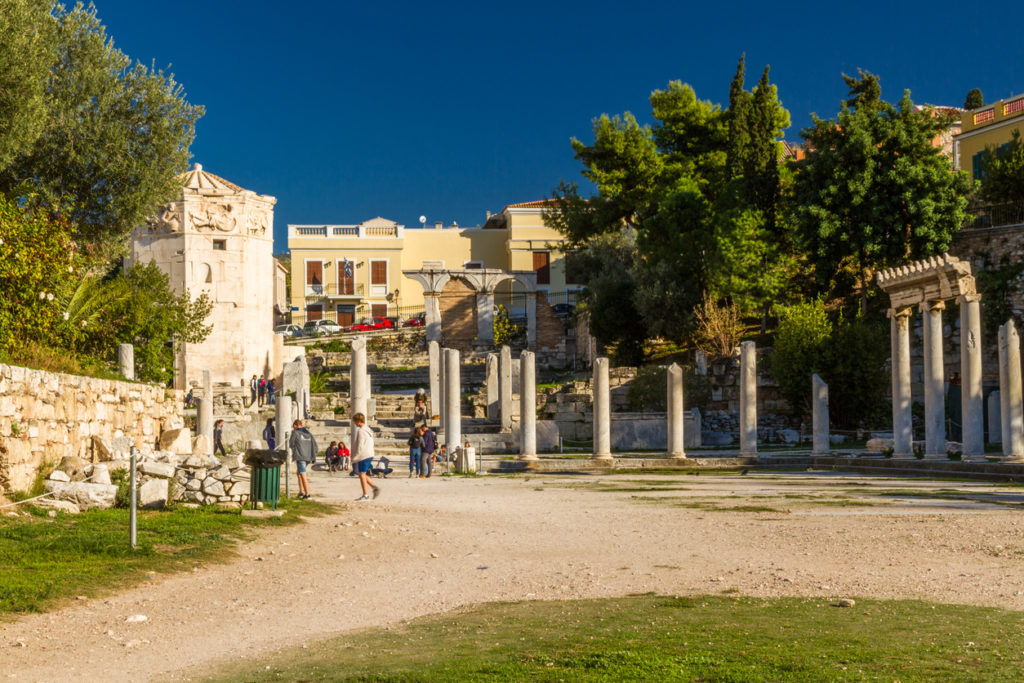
(162, 476)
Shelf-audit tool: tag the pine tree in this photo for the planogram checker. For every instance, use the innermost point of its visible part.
(974, 99)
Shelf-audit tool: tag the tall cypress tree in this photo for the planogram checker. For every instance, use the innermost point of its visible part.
(738, 146)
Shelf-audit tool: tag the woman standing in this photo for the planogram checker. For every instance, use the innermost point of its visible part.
(415, 451)
(362, 455)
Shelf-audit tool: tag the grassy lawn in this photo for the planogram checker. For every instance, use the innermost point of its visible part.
(648, 638)
(45, 560)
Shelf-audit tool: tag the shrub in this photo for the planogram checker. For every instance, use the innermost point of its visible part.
(802, 345)
(719, 328)
(649, 390)
(505, 331)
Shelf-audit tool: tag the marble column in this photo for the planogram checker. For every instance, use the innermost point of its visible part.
(970, 375)
(531, 320)
(505, 388)
(995, 417)
(748, 398)
(527, 406)
(492, 387)
(903, 428)
(674, 412)
(283, 405)
(126, 360)
(432, 316)
(357, 377)
(934, 379)
(1004, 424)
(204, 423)
(442, 412)
(485, 318)
(434, 374)
(1013, 417)
(602, 416)
(453, 398)
(819, 403)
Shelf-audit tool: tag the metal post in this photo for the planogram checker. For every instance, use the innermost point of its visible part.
(133, 500)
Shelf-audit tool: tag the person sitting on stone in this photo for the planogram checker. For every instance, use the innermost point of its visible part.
(332, 458)
(344, 455)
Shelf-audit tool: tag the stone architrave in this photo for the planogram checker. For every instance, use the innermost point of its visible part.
(970, 375)
(995, 422)
(505, 388)
(819, 401)
(903, 431)
(492, 387)
(674, 413)
(358, 376)
(748, 398)
(126, 360)
(434, 371)
(453, 399)
(1013, 418)
(527, 407)
(602, 411)
(934, 379)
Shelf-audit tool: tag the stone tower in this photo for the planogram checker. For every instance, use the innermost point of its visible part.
(218, 238)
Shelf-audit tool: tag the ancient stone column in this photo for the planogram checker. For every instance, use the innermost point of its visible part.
(126, 360)
(1004, 436)
(934, 378)
(995, 420)
(453, 398)
(443, 402)
(970, 375)
(748, 398)
(819, 402)
(602, 411)
(1013, 418)
(674, 412)
(485, 318)
(903, 428)
(492, 387)
(527, 406)
(432, 317)
(505, 388)
(434, 374)
(204, 425)
(283, 425)
(531, 319)
(357, 376)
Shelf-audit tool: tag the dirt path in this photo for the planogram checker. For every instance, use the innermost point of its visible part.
(428, 546)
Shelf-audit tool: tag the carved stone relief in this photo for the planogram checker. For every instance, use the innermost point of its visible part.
(219, 217)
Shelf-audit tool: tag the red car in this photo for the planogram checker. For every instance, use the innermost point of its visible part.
(368, 324)
(416, 321)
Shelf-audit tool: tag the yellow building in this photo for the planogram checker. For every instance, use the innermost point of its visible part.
(348, 272)
(990, 126)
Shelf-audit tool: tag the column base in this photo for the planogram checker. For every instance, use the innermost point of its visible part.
(677, 456)
(523, 456)
(748, 454)
(602, 456)
(1012, 458)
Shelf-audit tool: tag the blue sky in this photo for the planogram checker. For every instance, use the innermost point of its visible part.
(345, 111)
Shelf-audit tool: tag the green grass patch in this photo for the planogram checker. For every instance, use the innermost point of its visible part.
(653, 638)
(44, 560)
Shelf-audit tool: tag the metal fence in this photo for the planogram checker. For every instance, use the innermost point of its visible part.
(996, 216)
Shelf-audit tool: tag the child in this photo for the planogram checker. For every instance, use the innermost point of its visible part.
(362, 455)
(346, 457)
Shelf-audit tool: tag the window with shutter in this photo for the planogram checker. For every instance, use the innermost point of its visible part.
(542, 266)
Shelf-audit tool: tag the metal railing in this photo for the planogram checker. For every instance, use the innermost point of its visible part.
(331, 289)
(996, 216)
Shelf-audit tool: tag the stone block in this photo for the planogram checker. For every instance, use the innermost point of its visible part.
(101, 448)
(153, 494)
(193, 484)
(74, 467)
(83, 494)
(878, 445)
(221, 473)
(58, 505)
(58, 475)
(157, 469)
(201, 444)
(100, 474)
(212, 487)
(177, 441)
(788, 435)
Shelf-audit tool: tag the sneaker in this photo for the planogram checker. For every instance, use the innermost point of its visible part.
(361, 498)
(376, 491)
(423, 476)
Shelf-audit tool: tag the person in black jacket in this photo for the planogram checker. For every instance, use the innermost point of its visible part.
(218, 437)
(415, 451)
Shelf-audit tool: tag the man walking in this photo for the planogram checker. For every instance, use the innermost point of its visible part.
(303, 447)
(218, 437)
(362, 455)
(253, 388)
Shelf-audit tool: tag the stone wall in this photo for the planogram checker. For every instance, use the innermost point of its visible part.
(458, 315)
(45, 416)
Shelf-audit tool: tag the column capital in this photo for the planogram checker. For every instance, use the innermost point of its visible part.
(901, 312)
(968, 298)
(932, 305)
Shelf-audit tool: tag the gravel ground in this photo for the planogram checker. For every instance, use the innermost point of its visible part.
(428, 546)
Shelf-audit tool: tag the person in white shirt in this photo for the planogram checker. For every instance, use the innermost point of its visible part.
(362, 455)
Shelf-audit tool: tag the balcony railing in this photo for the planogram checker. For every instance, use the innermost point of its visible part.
(375, 232)
(331, 290)
(996, 216)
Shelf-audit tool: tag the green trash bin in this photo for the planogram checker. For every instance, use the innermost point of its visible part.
(265, 485)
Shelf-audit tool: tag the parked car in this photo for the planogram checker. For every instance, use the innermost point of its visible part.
(418, 320)
(564, 310)
(289, 330)
(368, 324)
(319, 328)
